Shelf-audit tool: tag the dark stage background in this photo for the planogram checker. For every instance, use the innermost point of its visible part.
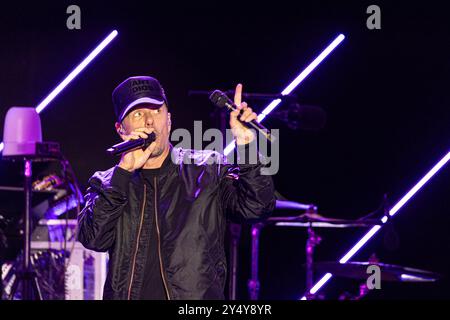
(386, 94)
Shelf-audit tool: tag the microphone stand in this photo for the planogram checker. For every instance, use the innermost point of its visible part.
(248, 96)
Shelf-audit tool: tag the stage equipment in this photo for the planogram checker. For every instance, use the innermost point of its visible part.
(23, 138)
(310, 219)
(75, 274)
(438, 166)
(22, 134)
(389, 272)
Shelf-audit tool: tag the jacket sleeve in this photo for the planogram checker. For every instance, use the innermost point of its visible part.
(104, 205)
(245, 193)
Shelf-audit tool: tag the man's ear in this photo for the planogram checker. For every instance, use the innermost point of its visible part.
(119, 128)
(168, 120)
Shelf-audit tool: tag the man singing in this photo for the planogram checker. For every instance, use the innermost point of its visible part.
(161, 213)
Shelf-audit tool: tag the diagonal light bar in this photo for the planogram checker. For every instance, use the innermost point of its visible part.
(375, 229)
(75, 72)
(302, 76)
(41, 106)
(420, 184)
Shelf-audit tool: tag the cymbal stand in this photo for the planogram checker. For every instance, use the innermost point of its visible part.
(253, 284)
(235, 234)
(312, 241)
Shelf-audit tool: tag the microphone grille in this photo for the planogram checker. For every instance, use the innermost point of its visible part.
(219, 98)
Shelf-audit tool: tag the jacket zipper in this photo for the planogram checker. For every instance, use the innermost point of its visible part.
(137, 242)
(159, 243)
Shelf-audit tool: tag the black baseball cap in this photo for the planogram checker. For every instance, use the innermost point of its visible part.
(135, 91)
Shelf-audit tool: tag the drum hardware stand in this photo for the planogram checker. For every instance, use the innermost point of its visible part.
(363, 289)
(235, 233)
(312, 241)
(26, 275)
(253, 284)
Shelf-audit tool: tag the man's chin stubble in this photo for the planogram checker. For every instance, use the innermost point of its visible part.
(157, 152)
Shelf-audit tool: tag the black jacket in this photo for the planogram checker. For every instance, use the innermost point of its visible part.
(194, 195)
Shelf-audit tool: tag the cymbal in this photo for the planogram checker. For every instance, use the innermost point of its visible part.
(389, 272)
(315, 220)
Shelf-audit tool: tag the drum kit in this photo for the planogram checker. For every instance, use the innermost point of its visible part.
(311, 220)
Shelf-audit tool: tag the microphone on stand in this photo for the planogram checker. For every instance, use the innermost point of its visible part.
(221, 100)
(302, 117)
(47, 183)
(125, 146)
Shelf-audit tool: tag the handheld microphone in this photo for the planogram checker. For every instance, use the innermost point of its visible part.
(125, 146)
(221, 100)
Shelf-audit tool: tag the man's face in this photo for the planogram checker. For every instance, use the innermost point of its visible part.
(143, 117)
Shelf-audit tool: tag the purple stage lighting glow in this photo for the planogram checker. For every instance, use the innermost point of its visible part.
(302, 76)
(75, 72)
(392, 212)
(420, 184)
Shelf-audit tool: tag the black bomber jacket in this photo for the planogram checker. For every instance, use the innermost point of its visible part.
(192, 199)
